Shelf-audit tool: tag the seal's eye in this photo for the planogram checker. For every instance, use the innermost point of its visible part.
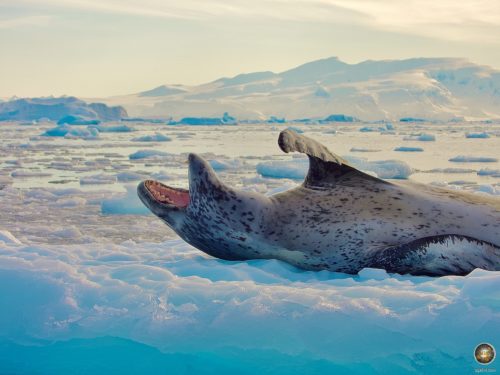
(168, 195)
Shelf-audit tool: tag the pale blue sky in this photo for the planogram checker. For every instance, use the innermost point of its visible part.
(93, 48)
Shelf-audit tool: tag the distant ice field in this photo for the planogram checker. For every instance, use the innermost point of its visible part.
(92, 283)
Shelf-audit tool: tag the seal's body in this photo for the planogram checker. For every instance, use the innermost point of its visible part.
(340, 219)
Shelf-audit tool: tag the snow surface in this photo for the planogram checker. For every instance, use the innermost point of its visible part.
(90, 282)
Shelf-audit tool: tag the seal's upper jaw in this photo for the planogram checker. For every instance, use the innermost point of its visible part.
(203, 181)
(155, 193)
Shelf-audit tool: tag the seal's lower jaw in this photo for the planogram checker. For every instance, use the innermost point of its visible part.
(166, 195)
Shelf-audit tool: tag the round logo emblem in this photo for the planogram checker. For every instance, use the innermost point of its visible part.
(484, 353)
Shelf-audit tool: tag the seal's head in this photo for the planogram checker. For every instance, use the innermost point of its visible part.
(210, 215)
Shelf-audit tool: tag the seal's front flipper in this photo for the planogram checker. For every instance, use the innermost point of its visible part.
(325, 168)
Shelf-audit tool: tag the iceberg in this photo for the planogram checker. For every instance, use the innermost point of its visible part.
(339, 118)
(76, 120)
(276, 120)
(226, 119)
(65, 110)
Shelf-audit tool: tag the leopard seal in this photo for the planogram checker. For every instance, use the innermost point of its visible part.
(340, 219)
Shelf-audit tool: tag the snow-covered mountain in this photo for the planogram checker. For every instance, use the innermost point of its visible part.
(430, 88)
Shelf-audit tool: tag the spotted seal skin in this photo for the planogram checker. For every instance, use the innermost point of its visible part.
(340, 219)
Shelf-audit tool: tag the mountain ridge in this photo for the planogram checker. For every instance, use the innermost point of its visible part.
(431, 88)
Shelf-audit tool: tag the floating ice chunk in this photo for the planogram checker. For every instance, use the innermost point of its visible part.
(157, 137)
(130, 204)
(85, 133)
(423, 137)
(339, 118)
(489, 189)
(72, 132)
(477, 135)
(293, 169)
(387, 169)
(409, 149)
(113, 128)
(28, 174)
(369, 129)
(412, 119)
(276, 120)
(451, 170)
(361, 149)
(473, 159)
(145, 154)
(221, 165)
(207, 121)
(98, 179)
(58, 131)
(8, 238)
(462, 182)
(297, 168)
(489, 172)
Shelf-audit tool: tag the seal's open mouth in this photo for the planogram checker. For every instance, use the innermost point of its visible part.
(167, 195)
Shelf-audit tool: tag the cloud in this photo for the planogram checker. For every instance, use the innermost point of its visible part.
(445, 19)
(13, 23)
